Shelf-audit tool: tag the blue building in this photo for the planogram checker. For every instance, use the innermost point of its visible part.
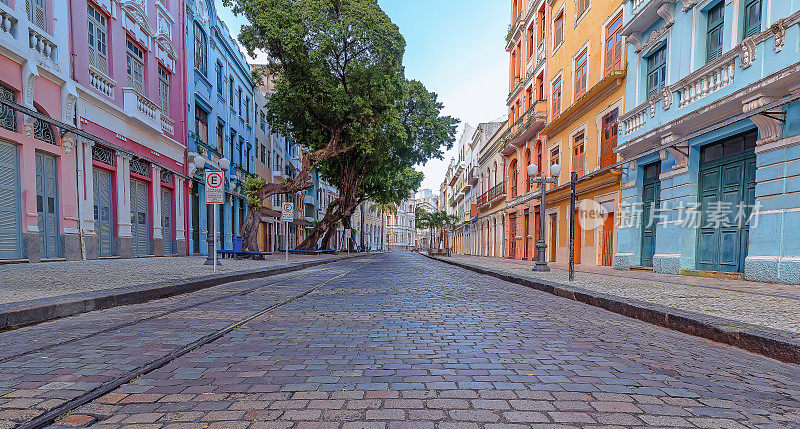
(711, 136)
(221, 120)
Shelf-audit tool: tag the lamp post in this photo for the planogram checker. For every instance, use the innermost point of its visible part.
(543, 180)
(211, 216)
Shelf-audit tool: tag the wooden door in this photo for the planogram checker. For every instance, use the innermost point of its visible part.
(10, 215)
(512, 236)
(139, 218)
(553, 236)
(651, 202)
(47, 205)
(103, 211)
(609, 140)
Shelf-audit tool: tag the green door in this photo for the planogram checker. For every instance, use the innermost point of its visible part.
(651, 201)
(47, 205)
(727, 195)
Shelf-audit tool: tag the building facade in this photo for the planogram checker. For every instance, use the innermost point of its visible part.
(522, 143)
(587, 90)
(426, 201)
(221, 117)
(400, 226)
(40, 218)
(490, 190)
(130, 79)
(711, 138)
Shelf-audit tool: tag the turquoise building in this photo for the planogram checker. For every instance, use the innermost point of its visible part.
(711, 138)
(221, 120)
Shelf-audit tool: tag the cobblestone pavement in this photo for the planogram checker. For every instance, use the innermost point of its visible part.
(765, 304)
(393, 340)
(22, 282)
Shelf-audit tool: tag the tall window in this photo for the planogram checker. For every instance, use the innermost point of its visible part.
(220, 136)
(657, 70)
(220, 79)
(531, 37)
(527, 164)
(558, 29)
(239, 100)
(37, 12)
(752, 17)
(135, 66)
(582, 6)
(200, 50)
(579, 153)
(716, 25)
(529, 97)
(263, 154)
(262, 121)
(580, 74)
(542, 26)
(247, 109)
(201, 124)
(230, 93)
(163, 89)
(554, 155)
(614, 46)
(557, 97)
(609, 139)
(98, 45)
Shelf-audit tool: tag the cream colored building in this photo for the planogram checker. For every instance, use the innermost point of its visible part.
(490, 222)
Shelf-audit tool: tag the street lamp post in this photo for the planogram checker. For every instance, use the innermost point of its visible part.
(543, 180)
(224, 165)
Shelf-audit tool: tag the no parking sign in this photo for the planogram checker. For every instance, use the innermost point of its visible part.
(215, 192)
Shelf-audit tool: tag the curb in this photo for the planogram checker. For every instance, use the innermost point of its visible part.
(43, 309)
(780, 345)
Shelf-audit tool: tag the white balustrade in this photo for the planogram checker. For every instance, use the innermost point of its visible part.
(8, 23)
(638, 3)
(167, 124)
(635, 120)
(141, 108)
(42, 43)
(101, 82)
(706, 82)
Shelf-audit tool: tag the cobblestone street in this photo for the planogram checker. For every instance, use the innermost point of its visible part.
(385, 341)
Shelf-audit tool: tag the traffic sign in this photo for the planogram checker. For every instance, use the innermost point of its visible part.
(215, 191)
(287, 212)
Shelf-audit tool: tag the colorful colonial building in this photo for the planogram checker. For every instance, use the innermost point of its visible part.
(39, 215)
(522, 142)
(587, 91)
(711, 138)
(130, 79)
(489, 226)
(221, 114)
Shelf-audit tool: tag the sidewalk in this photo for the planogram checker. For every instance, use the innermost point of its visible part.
(769, 305)
(23, 282)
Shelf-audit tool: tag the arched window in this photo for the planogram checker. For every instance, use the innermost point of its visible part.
(200, 50)
(527, 163)
(513, 178)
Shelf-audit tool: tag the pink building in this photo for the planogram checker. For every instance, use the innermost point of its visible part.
(129, 73)
(38, 204)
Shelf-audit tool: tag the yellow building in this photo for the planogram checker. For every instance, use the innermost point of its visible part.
(586, 68)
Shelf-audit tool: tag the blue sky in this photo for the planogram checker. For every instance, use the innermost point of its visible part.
(456, 48)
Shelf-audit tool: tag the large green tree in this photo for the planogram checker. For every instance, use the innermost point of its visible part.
(340, 90)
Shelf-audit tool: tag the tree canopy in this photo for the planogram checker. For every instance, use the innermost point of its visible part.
(340, 89)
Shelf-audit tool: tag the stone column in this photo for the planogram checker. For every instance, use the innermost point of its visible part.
(181, 237)
(155, 202)
(123, 183)
(86, 197)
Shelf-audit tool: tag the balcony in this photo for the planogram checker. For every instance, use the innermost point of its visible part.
(648, 12)
(8, 22)
(167, 125)
(101, 82)
(138, 107)
(757, 72)
(495, 193)
(42, 43)
(531, 122)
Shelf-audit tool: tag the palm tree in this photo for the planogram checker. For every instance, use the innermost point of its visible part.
(381, 209)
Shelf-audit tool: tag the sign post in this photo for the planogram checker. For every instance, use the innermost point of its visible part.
(287, 214)
(215, 194)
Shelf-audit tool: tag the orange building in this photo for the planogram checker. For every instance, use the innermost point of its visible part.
(570, 93)
(522, 142)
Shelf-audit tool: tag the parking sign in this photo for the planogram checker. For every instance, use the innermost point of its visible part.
(287, 212)
(215, 191)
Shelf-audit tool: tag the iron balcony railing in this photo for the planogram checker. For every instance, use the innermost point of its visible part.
(492, 194)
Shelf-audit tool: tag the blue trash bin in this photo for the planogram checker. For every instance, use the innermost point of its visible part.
(237, 244)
